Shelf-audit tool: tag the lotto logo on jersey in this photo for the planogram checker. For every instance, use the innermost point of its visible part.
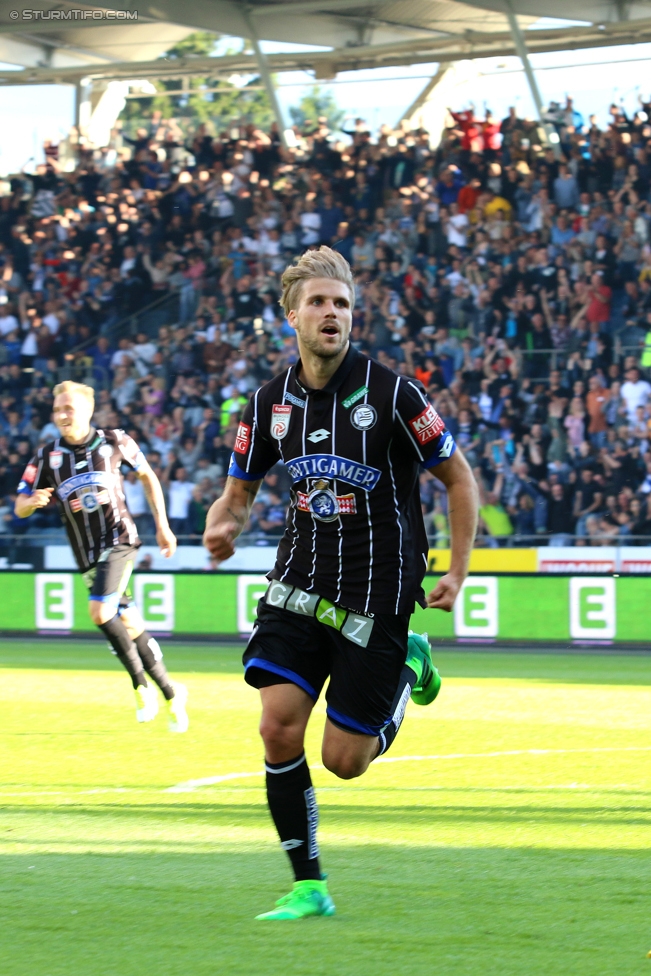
(280, 415)
(427, 425)
(243, 438)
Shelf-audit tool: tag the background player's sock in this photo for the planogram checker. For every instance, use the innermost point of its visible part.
(118, 637)
(292, 804)
(152, 661)
(408, 678)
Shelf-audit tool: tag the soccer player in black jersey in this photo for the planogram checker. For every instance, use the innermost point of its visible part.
(81, 470)
(349, 568)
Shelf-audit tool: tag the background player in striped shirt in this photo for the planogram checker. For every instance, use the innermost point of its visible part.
(350, 566)
(81, 470)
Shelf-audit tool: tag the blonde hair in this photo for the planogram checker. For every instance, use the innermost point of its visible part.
(75, 389)
(320, 263)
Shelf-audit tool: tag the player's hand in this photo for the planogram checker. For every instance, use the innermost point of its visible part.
(444, 593)
(166, 541)
(219, 539)
(40, 498)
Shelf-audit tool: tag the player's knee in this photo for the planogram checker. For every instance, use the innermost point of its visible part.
(345, 765)
(280, 736)
(100, 613)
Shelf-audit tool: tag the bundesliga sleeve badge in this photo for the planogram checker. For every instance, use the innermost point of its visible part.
(280, 416)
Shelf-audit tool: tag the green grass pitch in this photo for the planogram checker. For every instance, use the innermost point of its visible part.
(515, 840)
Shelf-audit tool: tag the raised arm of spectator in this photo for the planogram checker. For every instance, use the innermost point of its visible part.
(167, 470)
(579, 315)
(515, 365)
(23, 298)
(488, 361)
(547, 312)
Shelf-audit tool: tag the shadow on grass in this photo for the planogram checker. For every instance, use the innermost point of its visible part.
(411, 911)
(387, 818)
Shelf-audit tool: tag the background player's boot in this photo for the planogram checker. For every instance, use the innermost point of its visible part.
(306, 898)
(146, 703)
(419, 659)
(176, 710)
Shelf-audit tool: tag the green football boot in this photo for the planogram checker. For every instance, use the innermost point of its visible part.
(419, 658)
(305, 899)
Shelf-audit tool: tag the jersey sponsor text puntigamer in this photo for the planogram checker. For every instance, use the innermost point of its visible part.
(354, 532)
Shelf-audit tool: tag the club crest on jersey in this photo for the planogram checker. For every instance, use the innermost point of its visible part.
(363, 417)
(280, 416)
(56, 460)
(322, 502)
(89, 501)
(427, 425)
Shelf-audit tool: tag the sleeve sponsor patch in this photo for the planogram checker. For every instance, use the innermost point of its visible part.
(427, 425)
(243, 438)
(30, 474)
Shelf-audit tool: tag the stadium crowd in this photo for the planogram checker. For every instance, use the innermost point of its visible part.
(512, 280)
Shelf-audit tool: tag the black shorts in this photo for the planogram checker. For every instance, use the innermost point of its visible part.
(108, 580)
(293, 646)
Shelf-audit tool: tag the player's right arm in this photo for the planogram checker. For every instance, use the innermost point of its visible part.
(33, 493)
(26, 505)
(254, 453)
(228, 516)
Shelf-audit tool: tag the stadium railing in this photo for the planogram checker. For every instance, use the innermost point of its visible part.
(148, 319)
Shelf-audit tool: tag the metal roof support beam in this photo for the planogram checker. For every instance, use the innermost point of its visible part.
(427, 90)
(265, 74)
(523, 54)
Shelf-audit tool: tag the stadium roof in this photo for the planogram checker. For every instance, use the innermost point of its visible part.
(79, 43)
(361, 33)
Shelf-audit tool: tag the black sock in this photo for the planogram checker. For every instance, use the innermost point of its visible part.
(407, 681)
(152, 660)
(292, 804)
(118, 637)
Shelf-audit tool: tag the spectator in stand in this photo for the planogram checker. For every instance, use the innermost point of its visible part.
(516, 287)
(635, 392)
(179, 496)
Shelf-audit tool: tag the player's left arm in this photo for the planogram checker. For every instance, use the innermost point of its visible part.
(463, 503)
(134, 457)
(422, 434)
(155, 499)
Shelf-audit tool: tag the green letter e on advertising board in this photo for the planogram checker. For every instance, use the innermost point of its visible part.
(476, 612)
(592, 608)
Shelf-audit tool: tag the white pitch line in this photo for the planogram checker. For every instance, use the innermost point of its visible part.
(192, 784)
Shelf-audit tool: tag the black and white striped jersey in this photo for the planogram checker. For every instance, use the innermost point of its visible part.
(354, 532)
(88, 490)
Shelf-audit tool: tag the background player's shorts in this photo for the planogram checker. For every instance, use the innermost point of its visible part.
(108, 580)
(292, 646)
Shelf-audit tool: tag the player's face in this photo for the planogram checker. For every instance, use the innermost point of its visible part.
(71, 414)
(323, 318)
